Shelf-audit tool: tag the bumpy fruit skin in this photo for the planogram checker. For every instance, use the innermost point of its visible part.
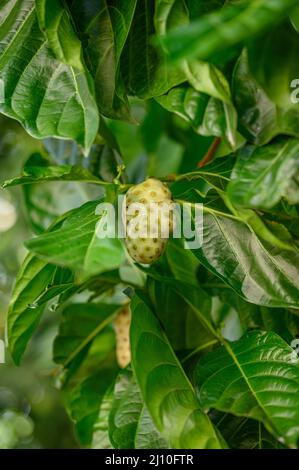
(148, 248)
(122, 330)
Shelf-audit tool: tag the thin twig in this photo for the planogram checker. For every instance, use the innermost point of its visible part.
(210, 153)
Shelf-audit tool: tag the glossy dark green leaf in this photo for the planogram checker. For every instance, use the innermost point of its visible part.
(145, 72)
(186, 102)
(261, 176)
(220, 120)
(235, 23)
(61, 98)
(76, 243)
(261, 273)
(55, 22)
(106, 27)
(256, 377)
(206, 78)
(166, 390)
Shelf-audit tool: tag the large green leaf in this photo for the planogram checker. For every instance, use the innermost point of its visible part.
(106, 25)
(145, 72)
(182, 324)
(260, 272)
(166, 390)
(186, 102)
(55, 22)
(260, 119)
(206, 78)
(236, 22)
(38, 174)
(244, 433)
(130, 425)
(85, 346)
(84, 401)
(261, 176)
(76, 243)
(256, 377)
(182, 263)
(89, 384)
(273, 62)
(80, 324)
(207, 116)
(100, 438)
(61, 98)
(24, 312)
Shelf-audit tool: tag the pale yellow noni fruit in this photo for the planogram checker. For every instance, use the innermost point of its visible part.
(149, 220)
(122, 331)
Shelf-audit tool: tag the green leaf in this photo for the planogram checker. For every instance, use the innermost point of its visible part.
(145, 72)
(77, 244)
(130, 425)
(168, 13)
(235, 24)
(84, 401)
(55, 22)
(183, 263)
(61, 99)
(85, 346)
(42, 205)
(24, 312)
(100, 438)
(181, 320)
(38, 174)
(198, 8)
(166, 390)
(89, 384)
(206, 78)
(67, 245)
(261, 176)
(260, 119)
(244, 433)
(256, 377)
(216, 175)
(272, 61)
(80, 324)
(220, 120)
(268, 278)
(186, 102)
(106, 26)
(207, 116)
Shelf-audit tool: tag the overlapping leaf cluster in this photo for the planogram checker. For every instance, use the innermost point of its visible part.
(212, 328)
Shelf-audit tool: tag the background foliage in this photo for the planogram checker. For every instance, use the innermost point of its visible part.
(109, 93)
